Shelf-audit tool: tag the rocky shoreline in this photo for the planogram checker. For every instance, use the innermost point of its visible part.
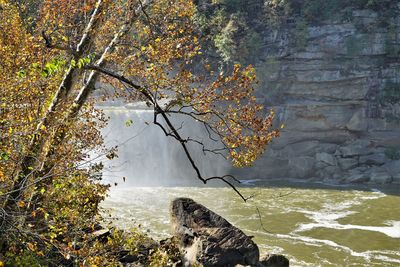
(200, 238)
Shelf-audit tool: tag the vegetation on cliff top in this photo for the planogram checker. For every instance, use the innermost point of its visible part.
(234, 29)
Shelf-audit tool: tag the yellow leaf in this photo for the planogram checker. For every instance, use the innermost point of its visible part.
(21, 204)
(1, 264)
(31, 246)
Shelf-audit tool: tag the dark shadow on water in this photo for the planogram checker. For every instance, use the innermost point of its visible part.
(389, 189)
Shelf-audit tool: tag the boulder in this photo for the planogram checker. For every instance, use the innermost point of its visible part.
(393, 168)
(326, 158)
(274, 260)
(358, 122)
(381, 178)
(359, 147)
(347, 163)
(332, 172)
(374, 159)
(358, 178)
(301, 167)
(208, 239)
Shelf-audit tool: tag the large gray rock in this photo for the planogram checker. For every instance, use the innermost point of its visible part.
(347, 163)
(274, 261)
(326, 158)
(301, 167)
(359, 147)
(209, 239)
(380, 178)
(330, 90)
(393, 168)
(378, 175)
(358, 178)
(374, 159)
(358, 122)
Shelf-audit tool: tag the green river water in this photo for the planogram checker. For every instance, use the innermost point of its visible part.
(312, 227)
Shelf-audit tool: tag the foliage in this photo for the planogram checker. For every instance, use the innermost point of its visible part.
(225, 42)
(356, 43)
(277, 12)
(390, 93)
(392, 153)
(226, 29)
(392, 46)
(52, 54)
(301, 35)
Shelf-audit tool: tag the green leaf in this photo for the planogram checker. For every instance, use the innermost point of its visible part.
(4, 156)
(21, 74)
(129, 122)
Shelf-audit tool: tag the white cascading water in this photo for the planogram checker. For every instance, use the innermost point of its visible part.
(146, 157)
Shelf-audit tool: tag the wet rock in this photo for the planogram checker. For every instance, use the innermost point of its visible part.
(380, 178)
(274, 260)
(209, 239)
(358, 178)
(271, 167)
(301, 167)
(393, 168)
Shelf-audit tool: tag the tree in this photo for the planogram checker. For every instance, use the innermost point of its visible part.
(51, 61)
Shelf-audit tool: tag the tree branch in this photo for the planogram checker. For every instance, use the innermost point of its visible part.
(174, 132)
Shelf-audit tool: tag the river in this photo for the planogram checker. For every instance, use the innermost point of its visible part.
(315, 226)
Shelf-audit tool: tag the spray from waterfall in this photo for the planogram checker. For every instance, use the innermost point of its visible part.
(146, 157)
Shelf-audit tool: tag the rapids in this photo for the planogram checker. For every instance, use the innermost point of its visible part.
(311, 223)
(312, 227)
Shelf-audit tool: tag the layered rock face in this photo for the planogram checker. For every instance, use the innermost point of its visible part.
(337, 91)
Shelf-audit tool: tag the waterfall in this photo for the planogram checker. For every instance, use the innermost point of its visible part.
(146, 157)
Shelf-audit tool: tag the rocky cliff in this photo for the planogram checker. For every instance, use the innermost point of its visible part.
(335, 85)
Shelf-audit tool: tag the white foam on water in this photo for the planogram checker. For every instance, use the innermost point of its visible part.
(327, 217)
(387, 259)
(367, 255)
(249, 182)
(392, 230)
(152, 202)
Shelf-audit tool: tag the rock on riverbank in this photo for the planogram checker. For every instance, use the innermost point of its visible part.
(209, 240)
